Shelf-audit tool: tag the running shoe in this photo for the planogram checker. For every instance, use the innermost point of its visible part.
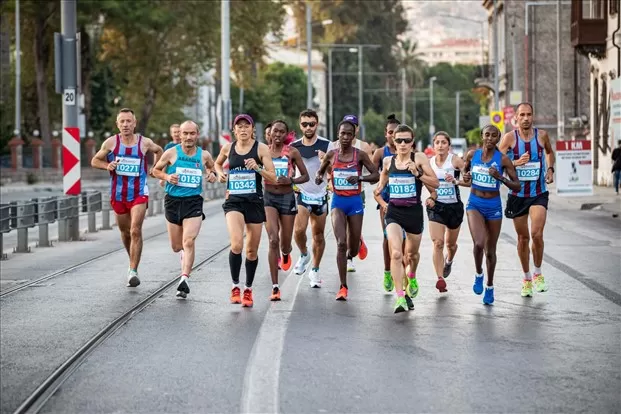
(447, 269)
(302, 265)
(235, 295)
(132, 279)
(342, 295)
(411, 287)
(275, 294)
(488, 298)
(247, 299)
(363, 251)
(527, 288)
(350, 265)
(388, 283)
(285, 262)
(408, 300)
(441, 285)
(477, 288)
(315, 280)
(540, 283)
(401, 305)
(183, 288)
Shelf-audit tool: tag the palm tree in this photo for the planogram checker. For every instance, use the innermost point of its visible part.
(410, 59)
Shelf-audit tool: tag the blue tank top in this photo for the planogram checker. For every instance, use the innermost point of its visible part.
(190, 171)
(532, 175)
(386, 153)
(481, 180)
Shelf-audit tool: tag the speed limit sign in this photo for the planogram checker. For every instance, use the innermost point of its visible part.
(69, 97)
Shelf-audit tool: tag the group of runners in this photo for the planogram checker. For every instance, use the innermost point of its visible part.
(286, 185)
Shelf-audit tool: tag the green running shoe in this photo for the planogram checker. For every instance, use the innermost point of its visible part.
(412, 287)
(388, 284)
(401, 305)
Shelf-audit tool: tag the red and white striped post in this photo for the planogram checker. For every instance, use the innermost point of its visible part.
(71, 161)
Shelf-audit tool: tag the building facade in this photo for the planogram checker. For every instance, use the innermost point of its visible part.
(455, 51)
(596, 34)
(527, 61)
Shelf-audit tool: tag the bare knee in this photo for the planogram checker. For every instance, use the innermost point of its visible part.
(251, 253)
(319, 239)
(438, 244)
(537, 236)
(274, 241)
(490, 254)
(188, 242)
(176, 247)
(412, 256)
(396, 255)
(237, 246)
(341, 246)
(135, 233)
(479, 246)
(451, 246)
(523, 239)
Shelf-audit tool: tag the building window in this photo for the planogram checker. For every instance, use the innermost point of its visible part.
(614, 7)
(595, 9)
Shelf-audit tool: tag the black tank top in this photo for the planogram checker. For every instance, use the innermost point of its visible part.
(244, 185)
(403, 186)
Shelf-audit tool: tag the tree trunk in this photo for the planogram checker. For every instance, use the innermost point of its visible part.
(42, 55)
(147, 107)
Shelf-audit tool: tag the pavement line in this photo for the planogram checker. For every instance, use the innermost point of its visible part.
(590, 283)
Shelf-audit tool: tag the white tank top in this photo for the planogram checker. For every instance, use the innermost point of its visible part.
(447, 192)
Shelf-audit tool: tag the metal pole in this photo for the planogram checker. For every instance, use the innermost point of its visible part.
(432, 128)
(360, 91)
(18, 73)
(403, 92)
(559, 97)
(483, 66)
(496, 58)
(225, 65)
(413, 109)
(68, 23)
(514, 82)
(330, 96)
(457, 114)
(309, 49)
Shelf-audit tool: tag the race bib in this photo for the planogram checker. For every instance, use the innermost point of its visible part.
(242, 182)
(128, 167)
(189, 177)
(446, 192)
(282, 167)
(315, 201)
(481, 177)
(340, 179)
(529, 171)
(403, 186)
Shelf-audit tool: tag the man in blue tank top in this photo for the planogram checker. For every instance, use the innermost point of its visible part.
(532, 155)
(183, 167)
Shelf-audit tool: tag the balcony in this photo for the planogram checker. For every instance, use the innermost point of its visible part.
(589, 27)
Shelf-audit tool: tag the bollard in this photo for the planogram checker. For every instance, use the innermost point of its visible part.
(47, 210)
(3, 256)
(44, 236)
(22, 241)
(92, 222)
(105, 212)
(150, 208)
(5, 226)
(159, 204)
(73, 222)
(63, 210)
(24, 218)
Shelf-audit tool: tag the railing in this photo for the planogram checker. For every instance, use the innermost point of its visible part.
(21, 216)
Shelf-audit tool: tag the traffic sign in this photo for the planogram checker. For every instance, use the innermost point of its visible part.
(69, 97)
(497, 118)
(509, 114)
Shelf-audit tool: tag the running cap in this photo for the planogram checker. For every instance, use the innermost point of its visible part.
(351, 118)
(245, 117)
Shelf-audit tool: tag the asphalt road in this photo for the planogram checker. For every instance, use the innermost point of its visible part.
(559, 351)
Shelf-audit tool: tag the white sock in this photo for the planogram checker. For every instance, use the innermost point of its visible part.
(489, 287)
(447, 261)
(235, 285)
(247, 288)
(275, 286)
(527, 276)
(479, 275)
(537, 270)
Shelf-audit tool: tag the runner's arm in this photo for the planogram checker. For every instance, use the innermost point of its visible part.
(428, 177)
(268, 171)
(218, 166)
(100, 160)
(547, 146)
(162, 163)
(507, 142)
(301, 167)
(460, 164)
(383, 179)
(466, 178)
(325, 163)
(209, 164)
(511, 182)
(373, 177)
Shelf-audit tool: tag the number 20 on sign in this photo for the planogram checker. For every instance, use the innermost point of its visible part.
(69, 97)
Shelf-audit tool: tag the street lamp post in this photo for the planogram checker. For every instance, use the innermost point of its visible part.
(309, 50)
(432, 127)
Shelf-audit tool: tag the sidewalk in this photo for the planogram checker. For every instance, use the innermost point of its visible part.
(43, 187)
(603, 198)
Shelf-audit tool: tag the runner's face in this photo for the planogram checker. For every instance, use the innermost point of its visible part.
(308, 126)
(175, 133)
(490, 137)
(279, 132)
(268, 135)
(390, 133)
(126, 123)
(189, 135)
(346, 135)
(525, 116)
(441, 145)
(243, 130)
(404, 142)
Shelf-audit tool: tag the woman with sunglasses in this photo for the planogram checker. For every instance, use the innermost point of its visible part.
(279, 200)
(404, 174)
(346, 164)
(249, 163)
(484, 172)
(444, 207)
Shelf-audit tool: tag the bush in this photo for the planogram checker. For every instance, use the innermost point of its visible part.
(31, 178)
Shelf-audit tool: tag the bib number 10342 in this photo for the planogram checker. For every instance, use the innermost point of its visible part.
(242, 183)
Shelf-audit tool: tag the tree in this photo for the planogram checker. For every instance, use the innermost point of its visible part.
(410, 59)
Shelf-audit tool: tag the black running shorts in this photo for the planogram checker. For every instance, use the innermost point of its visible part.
(451, 215)
(520, 206)
(254, 212)
(178, 209)
(314, 209)
(409, 218)
(283, 203)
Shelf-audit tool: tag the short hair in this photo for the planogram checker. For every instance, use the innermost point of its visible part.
(490, 126)
(443, 134)
(391, 119)
(280, 121)
(309, 113)
(269, 125)
(525, 103)
(404, 128)
(174, 126)
(189, 121)
(126, 111)
(346, 122)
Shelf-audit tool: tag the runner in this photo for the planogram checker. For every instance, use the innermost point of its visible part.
(124, 156)
(176, 139)
(382, 199)
(484, 171)
(347, 210)
(312, 198)
(249, 162)
(444, 207)
(363, 146)
(404, 174)
(279, 199)
(185, 166)
(526, 146)
(267, 133)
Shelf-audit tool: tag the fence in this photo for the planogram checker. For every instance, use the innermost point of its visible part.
(21, 216)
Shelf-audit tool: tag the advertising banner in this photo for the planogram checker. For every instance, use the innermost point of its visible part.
(574, 174)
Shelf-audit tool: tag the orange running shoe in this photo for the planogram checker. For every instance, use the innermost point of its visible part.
(342, 295)
(235, 298)
(247, 299)
(275, 294)
(285, 265)
(363, 251)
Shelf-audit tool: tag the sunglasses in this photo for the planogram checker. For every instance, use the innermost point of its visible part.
(403, 140)
(308, 124)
